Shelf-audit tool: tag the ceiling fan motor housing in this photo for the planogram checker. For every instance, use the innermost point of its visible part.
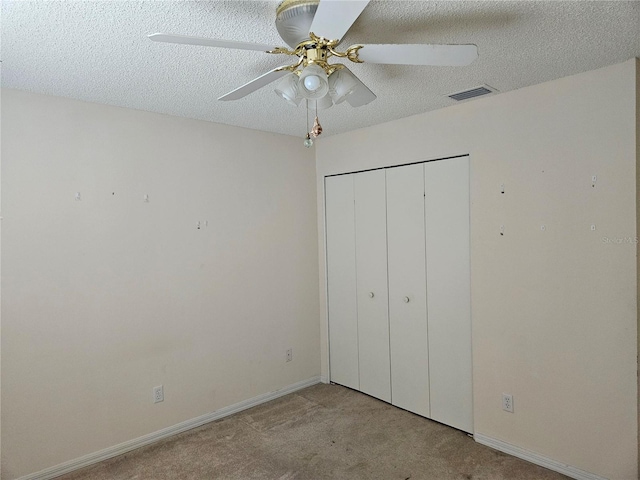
(316, 54)
(293, 20)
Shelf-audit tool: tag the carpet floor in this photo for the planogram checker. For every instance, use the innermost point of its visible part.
(321, 432)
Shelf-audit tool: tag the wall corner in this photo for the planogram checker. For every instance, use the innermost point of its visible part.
(637, 134)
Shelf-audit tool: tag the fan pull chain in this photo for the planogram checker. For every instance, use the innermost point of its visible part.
(307, 140)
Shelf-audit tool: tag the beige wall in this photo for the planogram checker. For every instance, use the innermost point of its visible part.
(554, 312)
(107, 297)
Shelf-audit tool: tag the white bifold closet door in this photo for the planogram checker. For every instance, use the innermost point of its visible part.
(448, 291)
(371, 272)
(398, 282)
(407, 288)
(341, 287)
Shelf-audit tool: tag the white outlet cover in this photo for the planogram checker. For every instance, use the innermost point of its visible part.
(507, 402)
(158, 394)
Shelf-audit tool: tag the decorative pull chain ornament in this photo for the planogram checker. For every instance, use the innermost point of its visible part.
(317, 128)
(307, 141)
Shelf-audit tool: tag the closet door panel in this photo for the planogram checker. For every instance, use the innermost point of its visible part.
(341, 280)
(448, 291)
(371, 268)
(407, 289)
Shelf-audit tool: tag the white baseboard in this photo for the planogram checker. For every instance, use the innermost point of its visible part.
(536, 458)
(324, 379)
(125, 447)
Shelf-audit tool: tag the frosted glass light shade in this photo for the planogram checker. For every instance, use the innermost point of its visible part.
(287, 88)
(324, 102)
(341, 84)
(293, 20)
(313, 82)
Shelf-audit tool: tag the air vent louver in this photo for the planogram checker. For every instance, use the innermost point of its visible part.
(474, 92)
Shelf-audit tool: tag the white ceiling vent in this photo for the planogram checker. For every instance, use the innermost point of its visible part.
(472, 93)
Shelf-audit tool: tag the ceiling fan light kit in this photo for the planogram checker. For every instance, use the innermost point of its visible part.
(312, 76)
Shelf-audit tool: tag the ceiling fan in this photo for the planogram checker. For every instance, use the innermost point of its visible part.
(313, 29)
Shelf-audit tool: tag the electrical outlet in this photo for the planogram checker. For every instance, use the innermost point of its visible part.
(289, 354)
(507, 402)
(158, 394)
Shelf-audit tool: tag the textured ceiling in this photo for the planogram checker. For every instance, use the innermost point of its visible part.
(98, 51)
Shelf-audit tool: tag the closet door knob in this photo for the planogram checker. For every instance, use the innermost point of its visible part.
(406, 299)
(371, 295)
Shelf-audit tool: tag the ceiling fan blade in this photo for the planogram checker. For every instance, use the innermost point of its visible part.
(209, 42)
(361, 95)
(334, 17)
(255, 84)
(438, 55)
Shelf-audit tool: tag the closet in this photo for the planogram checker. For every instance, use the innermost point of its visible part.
(398, 286)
